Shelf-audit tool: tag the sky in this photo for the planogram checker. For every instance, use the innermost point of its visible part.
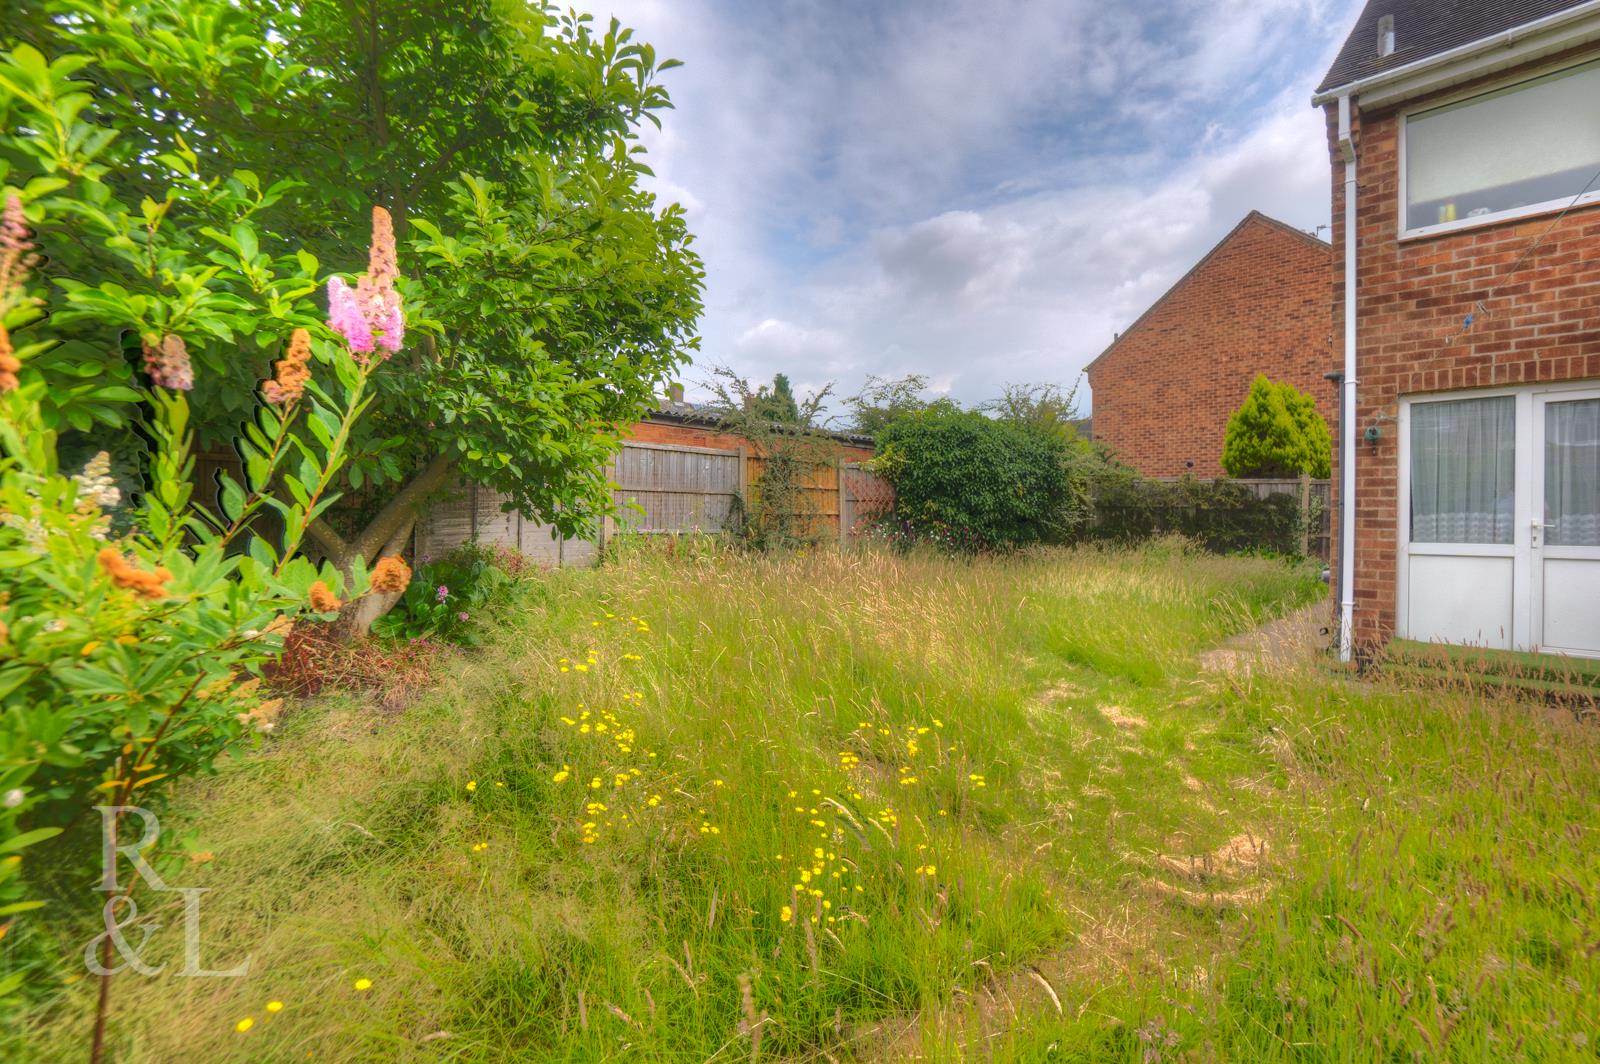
(980, 191)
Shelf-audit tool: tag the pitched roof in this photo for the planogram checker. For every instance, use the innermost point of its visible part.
(1426, 28)
(1253, 216)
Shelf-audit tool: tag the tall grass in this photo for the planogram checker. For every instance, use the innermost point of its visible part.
(869, 807)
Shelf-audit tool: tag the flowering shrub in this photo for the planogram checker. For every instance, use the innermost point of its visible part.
(128, 662)
(448, 594)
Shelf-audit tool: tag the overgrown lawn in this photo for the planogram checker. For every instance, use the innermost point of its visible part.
(874, 807)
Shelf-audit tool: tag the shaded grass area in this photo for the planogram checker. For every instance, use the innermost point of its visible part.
(872, 808)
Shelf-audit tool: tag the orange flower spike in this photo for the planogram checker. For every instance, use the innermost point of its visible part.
(391, 575)
(125, 575)
(10, 365)
(289, 381)
(323, 600)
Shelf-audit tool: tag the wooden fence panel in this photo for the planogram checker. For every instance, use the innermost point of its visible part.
(1321, 497)
(676, 489)
(863, 497)
(660, 488)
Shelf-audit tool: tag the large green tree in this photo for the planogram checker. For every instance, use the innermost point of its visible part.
(549, 295)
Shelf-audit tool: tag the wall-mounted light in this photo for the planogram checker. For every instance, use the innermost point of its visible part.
(1374, 431)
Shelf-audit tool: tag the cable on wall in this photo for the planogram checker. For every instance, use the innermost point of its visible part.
(1478, 308)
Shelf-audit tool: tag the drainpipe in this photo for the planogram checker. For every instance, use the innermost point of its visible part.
(1347, 442)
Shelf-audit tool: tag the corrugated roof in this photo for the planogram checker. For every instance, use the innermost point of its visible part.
(682, 413)
(1424, 28)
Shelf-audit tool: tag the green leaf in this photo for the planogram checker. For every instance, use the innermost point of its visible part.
(28, 838)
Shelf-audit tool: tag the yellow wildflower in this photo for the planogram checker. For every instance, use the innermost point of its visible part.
(274, 1006)
(245, 1024)
(363, 984)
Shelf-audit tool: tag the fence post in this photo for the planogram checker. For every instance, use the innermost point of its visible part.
(744, 484)
(1305, 513)
(844, 528)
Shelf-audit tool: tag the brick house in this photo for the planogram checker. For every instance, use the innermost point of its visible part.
(1467, 302)
(1256, 303)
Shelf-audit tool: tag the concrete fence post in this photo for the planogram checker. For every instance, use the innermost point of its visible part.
(844, 527)
(1305, 513)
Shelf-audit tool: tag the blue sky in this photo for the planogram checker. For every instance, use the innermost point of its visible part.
(982, 191)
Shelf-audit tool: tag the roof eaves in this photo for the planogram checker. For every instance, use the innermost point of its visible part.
(1449, 57)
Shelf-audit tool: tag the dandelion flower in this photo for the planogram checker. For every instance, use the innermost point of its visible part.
(274, 1006)
(561, 777)
(786, 914)
(472, 785)
(245, 1024)
(363, 984)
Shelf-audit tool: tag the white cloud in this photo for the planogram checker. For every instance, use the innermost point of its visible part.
(978, 190)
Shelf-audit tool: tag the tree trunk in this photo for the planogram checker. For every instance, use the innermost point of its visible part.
(384, 535)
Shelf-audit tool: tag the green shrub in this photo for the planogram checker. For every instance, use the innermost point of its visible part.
(970, 482)
(1276, 432)
(1222, 516)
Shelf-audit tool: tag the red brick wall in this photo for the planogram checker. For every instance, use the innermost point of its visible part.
(1542, 324)
(1259, 304)
(667, 432)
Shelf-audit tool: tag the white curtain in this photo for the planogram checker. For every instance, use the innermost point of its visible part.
(1463, 471)
(1572, 473)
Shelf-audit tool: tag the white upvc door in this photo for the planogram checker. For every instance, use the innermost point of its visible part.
(1499, 530)
(1565, 528)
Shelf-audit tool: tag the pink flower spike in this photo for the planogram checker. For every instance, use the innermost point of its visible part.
(391, 324)
(345, 317)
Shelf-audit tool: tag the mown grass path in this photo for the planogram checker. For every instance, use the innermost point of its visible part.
(880, 808)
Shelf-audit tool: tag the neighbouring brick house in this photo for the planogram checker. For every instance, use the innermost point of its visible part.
(1256, 303)
(1471, 134)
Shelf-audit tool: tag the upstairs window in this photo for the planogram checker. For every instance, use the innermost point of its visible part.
(1519, 150)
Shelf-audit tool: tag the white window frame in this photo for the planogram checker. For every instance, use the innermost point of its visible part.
(1523, 630)
(1403, 117)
